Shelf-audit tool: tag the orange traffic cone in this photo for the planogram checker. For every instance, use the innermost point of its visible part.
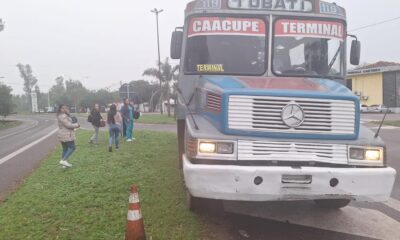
(134, 226)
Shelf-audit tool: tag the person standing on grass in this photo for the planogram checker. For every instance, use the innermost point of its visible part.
(114, 120)
(127, 112)
(95, 118)
(121, 105)
(66, 134)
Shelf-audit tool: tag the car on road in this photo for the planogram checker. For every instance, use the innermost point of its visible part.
(378, 108)
(363, 108)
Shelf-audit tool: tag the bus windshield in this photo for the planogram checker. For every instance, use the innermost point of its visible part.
(308, 48)
(219, 45)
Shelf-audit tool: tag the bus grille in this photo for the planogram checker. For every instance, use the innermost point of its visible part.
(292, 151)
(264, 114)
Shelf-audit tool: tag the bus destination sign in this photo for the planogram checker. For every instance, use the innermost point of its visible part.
(273, 5)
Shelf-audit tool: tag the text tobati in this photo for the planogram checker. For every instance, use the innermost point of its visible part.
(325, 29)
(217, 25)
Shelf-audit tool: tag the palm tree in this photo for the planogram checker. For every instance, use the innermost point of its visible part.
(166, 75)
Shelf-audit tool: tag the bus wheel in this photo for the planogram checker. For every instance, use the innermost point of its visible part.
(332, 203)
(181, 125)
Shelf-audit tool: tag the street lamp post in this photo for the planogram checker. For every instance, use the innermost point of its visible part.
(156, 12)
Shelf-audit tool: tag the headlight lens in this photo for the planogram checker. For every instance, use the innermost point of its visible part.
(357, 153)
(372, 155)
(225, 148)
(205, 147)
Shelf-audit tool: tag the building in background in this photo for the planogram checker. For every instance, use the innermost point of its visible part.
(376, 84)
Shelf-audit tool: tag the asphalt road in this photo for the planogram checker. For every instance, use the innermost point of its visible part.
(277, 221)
(21, 151)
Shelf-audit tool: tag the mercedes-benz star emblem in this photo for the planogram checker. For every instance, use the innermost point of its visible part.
(293, 115)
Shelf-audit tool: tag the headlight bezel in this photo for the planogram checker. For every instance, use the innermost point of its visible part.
(217, 155)
(365, 161)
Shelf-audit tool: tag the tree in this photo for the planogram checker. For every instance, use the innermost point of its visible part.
(29, 80)
(144, 91)
(6, 103)
(76, 91)
(167, 75)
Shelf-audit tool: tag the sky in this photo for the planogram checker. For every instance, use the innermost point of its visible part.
(105, 42)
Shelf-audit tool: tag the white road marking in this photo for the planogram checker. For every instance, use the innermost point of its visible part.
(350, 220)
(394, 204)
(23, 149)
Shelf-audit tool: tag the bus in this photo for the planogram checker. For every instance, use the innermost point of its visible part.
(263, 111)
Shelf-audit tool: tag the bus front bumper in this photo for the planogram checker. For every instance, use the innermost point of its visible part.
(242, 183)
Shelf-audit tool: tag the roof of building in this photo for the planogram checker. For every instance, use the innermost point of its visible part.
(378, 67)
(379, 64)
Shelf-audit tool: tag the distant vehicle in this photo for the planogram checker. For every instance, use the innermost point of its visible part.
(378, 108)
(49, 109)
(363, 108)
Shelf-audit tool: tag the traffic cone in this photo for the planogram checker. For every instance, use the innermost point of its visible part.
(134, 226)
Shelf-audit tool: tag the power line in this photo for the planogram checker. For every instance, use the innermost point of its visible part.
(374, 24)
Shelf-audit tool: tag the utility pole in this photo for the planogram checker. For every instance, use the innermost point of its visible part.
(156, 12)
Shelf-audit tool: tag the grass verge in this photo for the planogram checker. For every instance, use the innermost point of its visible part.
(156, 119)
(388, 123)
(8, 124)
(89, 201)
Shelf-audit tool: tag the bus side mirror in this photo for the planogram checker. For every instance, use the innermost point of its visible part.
(355, 52)
(176, 44)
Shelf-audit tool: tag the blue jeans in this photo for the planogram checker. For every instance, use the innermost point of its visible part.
(129, 129)
(68, 149)
(114, 135)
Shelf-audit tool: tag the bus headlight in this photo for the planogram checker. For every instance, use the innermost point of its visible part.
(372, 155)
(207, 147)
(366, 155)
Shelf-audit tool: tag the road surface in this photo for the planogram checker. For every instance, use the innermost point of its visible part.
(23, 148)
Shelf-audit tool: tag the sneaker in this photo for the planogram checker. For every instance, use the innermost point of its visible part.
(129, 140)
(65, 163)
(110, 149)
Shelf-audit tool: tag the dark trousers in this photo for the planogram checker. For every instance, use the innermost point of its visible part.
(124, 129)
(68, 149)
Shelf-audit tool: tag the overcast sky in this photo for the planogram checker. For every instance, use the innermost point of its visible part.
(103, 42)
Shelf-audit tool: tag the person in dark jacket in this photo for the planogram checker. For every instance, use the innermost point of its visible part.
(127, 112)
(95, 118)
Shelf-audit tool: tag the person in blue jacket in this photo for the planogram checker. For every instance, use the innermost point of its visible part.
(127, 112)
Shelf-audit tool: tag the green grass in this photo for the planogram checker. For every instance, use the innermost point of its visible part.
(89, 201)
(388, 123)
(8, 124)
(156, 119)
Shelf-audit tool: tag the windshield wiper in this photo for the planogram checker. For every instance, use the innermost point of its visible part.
(333, 60)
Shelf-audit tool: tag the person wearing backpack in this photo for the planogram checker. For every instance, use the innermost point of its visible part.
(127, 112)
(96, 119)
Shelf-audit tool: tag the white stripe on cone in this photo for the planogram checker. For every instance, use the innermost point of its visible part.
(134, 215)
(134, 198)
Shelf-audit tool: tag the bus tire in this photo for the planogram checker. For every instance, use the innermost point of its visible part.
(181, 125)
(332, 203)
